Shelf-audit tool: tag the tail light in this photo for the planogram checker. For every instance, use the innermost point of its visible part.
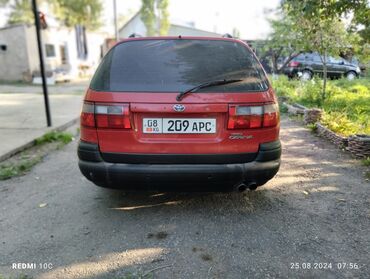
(113, 116)
(270, 115)
(87, 115)
(249, 117)
(293, 64)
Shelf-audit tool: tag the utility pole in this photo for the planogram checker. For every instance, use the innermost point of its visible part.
(115, 19)
(42, 67)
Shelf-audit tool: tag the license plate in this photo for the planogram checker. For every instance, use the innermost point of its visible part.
(179, 126)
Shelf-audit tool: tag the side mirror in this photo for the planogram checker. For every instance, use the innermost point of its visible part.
(341, 63)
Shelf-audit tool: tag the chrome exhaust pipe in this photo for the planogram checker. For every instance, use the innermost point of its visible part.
(252, 186)
(241, 188)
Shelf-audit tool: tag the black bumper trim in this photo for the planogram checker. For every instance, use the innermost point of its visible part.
(189, 176)
(88, 152)
(194, 177)
(178, 158)
(267, 152)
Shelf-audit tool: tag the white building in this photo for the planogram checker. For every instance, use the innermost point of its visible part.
(136, 25)
(68, 53)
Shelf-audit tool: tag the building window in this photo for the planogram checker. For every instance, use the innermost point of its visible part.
(63, 54)
(81, 41)
(50, 50)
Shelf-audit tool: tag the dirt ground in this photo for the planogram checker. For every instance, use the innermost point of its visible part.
(310, 221)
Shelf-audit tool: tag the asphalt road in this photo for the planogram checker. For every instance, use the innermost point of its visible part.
(312, 220)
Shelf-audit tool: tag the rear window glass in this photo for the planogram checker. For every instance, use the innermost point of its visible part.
(177, 65)
(307, 57)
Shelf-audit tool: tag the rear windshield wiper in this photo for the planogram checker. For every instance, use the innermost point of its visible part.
(204, 85)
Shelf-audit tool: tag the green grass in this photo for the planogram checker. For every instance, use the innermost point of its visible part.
(18, 168)
(283, 108)
(366, 162)
(296, 117)
(23, 162)
(312, 127)
(346, 108)
(53, 136)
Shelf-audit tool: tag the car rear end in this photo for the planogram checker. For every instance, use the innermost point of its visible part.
(136, 135)
(295, 66)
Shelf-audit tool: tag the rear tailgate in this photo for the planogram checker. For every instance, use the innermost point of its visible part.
(218, 141)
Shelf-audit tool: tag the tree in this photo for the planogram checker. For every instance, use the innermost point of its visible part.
(70, 12)
(21, 12)
(360, 25)
(123, 18)
(154, 14)
(79, 12)
(3, 3)
(236, 32)
(321, 28)
(329, 38)
(362, 18)
(357, 11)
(148, 16)
(163, 17)
(284, 40)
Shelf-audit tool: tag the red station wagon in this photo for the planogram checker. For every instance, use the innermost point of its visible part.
(180, 114)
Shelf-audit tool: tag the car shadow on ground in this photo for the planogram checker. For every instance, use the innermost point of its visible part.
(146, 202)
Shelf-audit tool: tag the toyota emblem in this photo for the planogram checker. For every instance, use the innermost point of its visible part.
(178, 108)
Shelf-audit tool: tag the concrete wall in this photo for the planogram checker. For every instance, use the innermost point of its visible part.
(14, 63)
(95, 42)
(21, 58)
(32, 49)
(62, 37)
(67, 37)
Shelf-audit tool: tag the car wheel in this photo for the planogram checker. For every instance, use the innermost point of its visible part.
(351, 76)
(306, 75)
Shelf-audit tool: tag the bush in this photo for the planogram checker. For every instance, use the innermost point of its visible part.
(366, 161)
(347, 106)
(339, 123)
(283, 86)
(309, 93)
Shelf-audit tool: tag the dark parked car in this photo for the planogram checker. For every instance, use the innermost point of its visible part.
(305, 65)
(180, 113)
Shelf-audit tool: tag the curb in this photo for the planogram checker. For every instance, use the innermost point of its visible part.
(31, 143)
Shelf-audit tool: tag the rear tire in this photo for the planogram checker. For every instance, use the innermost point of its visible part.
(306, 75)
(351, 75)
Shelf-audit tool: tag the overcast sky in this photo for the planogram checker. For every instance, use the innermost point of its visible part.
(248, 16)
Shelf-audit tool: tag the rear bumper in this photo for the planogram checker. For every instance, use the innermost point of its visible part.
(260, 168)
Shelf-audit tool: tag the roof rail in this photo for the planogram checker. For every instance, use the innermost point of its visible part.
(227, 35)
(135, 35)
